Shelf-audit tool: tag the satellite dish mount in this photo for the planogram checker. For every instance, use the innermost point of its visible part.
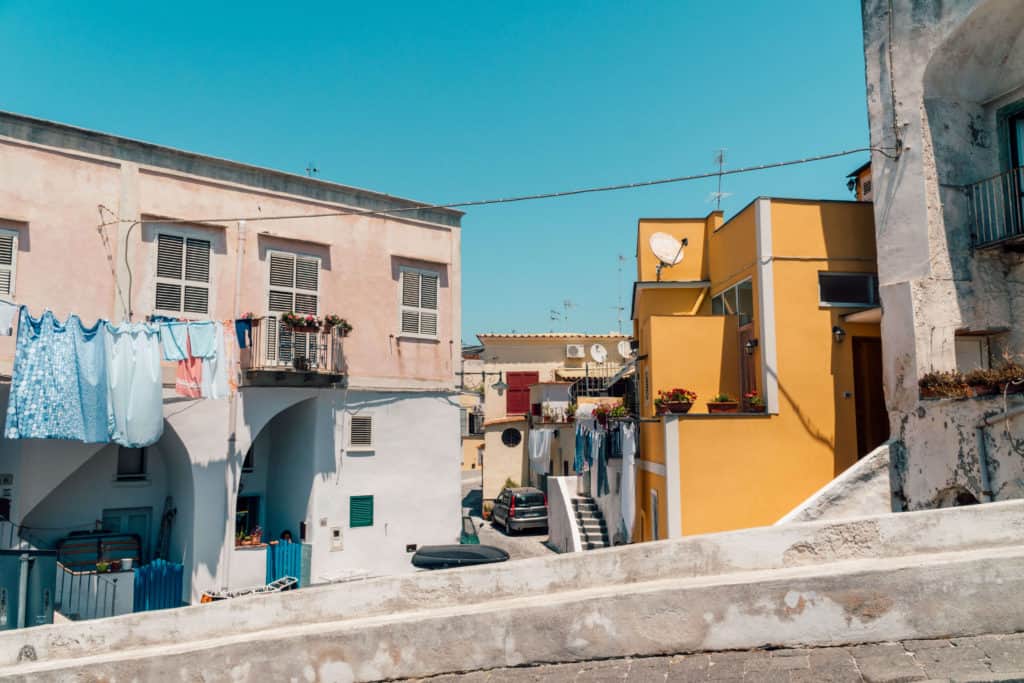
(667, 249)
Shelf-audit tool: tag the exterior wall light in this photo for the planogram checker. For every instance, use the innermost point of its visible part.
(838, 333)
(750, 347)
(500, 386)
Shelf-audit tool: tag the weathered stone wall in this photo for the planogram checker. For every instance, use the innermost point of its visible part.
(940, 76)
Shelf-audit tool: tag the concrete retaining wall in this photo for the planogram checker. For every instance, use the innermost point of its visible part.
(698, 557)
(861, 490)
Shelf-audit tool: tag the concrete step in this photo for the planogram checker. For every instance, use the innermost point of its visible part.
(862, 580)
(854, 601)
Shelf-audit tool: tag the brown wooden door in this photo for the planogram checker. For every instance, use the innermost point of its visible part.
(517, 398)
(872, 417)
(748, 376)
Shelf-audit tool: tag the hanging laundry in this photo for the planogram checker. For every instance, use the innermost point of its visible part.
(577, 462)
(59, 381)
(627, 437)
(203, 338)
(174, 338)
(136, 416)
(540, 449)
(602, 466)
(214, 380)
(243, 331)
(8, 313)
(189, 378)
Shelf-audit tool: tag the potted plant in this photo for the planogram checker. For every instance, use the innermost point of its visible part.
(601, 413)
(488, 506)
(1011, 377)
(984, 382)
(677, 401)
(723, 403)
(299, 322)
(251, 317)
(102, 567)
(619, 412)
(570, 413)
(753, 403)
(257, 534)
(336, 322)
(115, 565)
(943, 384)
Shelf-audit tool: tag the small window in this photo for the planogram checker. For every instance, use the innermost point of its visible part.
(131, 464)
(476, 423)
(361, 431)
(738, 300)
(247, 515)
(8, 257)
(360, 511)
(848, 289)
(972, 353)
(247, 464)
(182, 274)
(464, 421)
(419, 303)
(511, 437)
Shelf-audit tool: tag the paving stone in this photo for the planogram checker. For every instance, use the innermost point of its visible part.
(876, 650)
(916, 645)
(943, 662)
(845, 673)
(688, 667)
(830, 656)
(891, 668)
(649, 669)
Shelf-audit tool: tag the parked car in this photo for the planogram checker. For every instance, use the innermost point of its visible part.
(521, 508)
(445, 556)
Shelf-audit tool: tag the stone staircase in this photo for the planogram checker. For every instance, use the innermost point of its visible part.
(593, 530)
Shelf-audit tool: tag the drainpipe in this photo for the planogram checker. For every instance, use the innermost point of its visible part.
(233, 399)
(26, 563)
(979, 434)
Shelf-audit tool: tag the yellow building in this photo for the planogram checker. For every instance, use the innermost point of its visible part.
(781, 300)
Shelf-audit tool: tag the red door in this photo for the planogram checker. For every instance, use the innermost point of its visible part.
(517, 398)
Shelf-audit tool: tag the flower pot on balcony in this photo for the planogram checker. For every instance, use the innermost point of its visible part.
(308, 329)
(723, 406)
(754, 409)
(300, 363)
(678, 408)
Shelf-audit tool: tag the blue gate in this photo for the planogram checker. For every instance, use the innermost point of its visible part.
(285, 559)
(158, 586)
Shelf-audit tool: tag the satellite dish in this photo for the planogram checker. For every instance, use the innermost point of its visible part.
(598, 353)
(667, 248)
(625, 350)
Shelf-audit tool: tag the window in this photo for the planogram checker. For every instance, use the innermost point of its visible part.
(360, 511)
(293, 287)
(971, 353)
(247, 515)
(8, 257)
(737, 300)
(511, 437)
(182, 274)
(848, 289)
(517, 396)
(655, 514)
(131, 464)
(476, 423)
(247, 464)
(361, 431)
(419, 303)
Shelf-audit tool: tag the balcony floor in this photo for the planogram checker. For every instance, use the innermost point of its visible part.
(287, 377)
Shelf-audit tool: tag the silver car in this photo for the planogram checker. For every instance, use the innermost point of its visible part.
(521, 508)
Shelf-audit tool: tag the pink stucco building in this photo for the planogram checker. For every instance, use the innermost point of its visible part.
(358, 455)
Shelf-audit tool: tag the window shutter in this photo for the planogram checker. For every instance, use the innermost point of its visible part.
(8, 245)
(180, 260)
(197, 260)
(464, 419)
(360, 511)
(419, 303)
(361, 430)
(168, 256)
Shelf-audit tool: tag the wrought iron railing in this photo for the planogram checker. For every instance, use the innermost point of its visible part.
(276, 346)
(997, 208)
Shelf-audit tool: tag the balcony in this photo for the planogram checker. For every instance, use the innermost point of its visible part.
(284, 357)
(997, 211)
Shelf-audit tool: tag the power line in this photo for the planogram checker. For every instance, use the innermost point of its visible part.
(519, 198)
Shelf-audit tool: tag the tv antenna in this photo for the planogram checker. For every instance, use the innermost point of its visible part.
(567, 305)
(619, 309)
(312, 170)
(554, 316)
(719, 195)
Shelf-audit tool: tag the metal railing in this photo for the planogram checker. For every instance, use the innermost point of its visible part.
(997, 208)
(275, 346)
(14, 537)
(85, 594)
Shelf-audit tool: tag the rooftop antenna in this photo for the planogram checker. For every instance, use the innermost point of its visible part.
(619, 309)
(553, 316)
(567, 305)
(312, 170)
(719, 195)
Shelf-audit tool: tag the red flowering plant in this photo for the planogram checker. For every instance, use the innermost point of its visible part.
(334, 321)
(300, 320)
(248, 315)
(677, 395)
(753, 399)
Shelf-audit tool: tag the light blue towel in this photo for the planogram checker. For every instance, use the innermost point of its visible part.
(204, 340)
(173, 337)
(136, 416)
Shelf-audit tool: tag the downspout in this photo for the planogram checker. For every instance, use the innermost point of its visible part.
(979, 434)
(233, 397)
(26, 563)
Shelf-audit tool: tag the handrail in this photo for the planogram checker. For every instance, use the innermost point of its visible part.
(277, 347)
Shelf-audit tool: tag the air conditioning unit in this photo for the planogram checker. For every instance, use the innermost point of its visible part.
(575, 351)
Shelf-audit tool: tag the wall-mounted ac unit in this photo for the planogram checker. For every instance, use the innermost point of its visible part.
(575, 351)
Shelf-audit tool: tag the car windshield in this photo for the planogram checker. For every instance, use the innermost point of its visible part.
(528, 499)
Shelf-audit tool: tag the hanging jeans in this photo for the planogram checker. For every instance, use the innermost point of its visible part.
(602, 466)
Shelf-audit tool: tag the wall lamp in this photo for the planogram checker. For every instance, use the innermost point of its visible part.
(838, 333)
(750, 347)
(500, 386)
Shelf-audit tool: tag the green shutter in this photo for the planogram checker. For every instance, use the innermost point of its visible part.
(360, 511)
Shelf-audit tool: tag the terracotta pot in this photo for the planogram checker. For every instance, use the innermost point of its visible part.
(680, 408)
(980, 390)
(754, 409)
(308, 329)
(723, 406)
(255, 322)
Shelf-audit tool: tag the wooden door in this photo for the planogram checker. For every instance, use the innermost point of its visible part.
(517, 397)
(872, 417)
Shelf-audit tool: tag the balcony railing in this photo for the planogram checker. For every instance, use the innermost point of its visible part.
(997, 209)
(279, 349)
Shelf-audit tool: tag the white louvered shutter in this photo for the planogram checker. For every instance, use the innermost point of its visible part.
(419, 303)
(361, 431)
(294, 288)
(182, 274)
(8, 253)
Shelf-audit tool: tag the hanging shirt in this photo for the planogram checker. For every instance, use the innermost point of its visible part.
(189, 379)
(135, 384)
(627, 437)
(174, 338)
(203, 338)
(540, 449)
(48, 385)
(214, 380)
(8, 313)
(602, 466)
(577, 462)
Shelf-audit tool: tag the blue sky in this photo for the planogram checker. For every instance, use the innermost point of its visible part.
(452, 101)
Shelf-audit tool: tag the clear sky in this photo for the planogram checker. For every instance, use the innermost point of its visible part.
(446, 101)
